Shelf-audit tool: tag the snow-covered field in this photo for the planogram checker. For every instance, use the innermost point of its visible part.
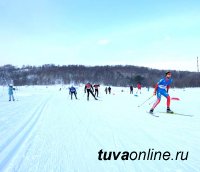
(43, 130)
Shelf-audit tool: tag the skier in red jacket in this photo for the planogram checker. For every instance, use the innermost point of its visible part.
(89, 89)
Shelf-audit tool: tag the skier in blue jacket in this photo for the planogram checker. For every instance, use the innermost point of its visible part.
(10, 92)
(161, 89)
(72, 90)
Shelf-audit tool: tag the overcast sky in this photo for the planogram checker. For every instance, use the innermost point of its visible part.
(163, 34)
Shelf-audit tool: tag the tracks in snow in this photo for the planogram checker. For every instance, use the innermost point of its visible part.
(10, 147)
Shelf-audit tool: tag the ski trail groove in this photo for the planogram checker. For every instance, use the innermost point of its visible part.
(13, 144)
(19, 130)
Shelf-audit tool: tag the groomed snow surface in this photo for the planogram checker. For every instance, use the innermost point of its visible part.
(45, 131)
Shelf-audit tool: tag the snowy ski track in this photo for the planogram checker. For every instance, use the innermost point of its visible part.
(45, 131)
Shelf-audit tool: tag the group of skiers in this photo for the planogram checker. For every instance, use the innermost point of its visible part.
(94, 90)
(161, 89)
(89, 89)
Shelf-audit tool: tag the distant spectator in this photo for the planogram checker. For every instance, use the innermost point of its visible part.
(131, 89)
(109, 90)
(106, 90)
(10, 92)
(139, 86)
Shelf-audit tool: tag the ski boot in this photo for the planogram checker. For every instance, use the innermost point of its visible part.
(169, 110)
(151, 111)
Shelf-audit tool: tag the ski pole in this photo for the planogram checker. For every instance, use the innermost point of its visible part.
(145, 101)
(151, 102)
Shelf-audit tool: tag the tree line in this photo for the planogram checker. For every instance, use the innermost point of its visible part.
(118, 75)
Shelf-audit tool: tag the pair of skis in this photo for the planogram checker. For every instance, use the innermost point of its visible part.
(174, 113)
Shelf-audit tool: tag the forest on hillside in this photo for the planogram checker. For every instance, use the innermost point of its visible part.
(50, 74)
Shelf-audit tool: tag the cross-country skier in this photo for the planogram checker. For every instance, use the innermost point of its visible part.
(161, 89)
(89, 89)
(10, 92)
(72, 90)
(96, 90)
(109, 90)
(139, 86)
(106, 90)
(131, 89)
